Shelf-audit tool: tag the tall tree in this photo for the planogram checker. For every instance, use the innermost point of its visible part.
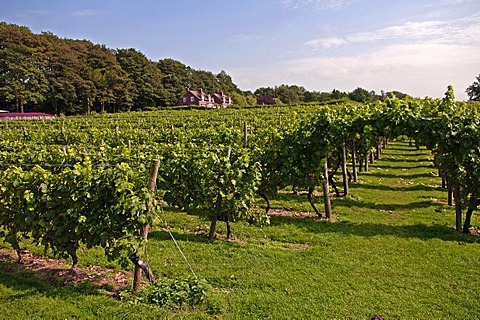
(146, 78)
(337, 94)
(226, 83)
(106, 73)
(265, 91)
(61, 71)
(21, 76)
(473, 91)
(287, 94)
(361, 95)
(176, 78)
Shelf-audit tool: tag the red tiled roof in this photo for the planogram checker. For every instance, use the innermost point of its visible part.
(20, 115)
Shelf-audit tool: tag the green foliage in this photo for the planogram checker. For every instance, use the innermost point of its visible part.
(46, 73)
(178, 292)
(473, 91)
(216, 184)
(361, 95)
(21, 78)
(87, 180)
(95, 206)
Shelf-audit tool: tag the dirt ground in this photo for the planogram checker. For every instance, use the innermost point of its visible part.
(57, 271)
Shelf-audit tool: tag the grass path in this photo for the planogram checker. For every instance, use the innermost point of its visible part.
(392, 250)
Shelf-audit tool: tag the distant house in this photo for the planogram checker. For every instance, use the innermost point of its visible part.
(266, 100)
(200, 98)
(25, 115)
(222, 100)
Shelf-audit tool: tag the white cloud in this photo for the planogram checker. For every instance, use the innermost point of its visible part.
(326, 43)
(317, 5)
(420, 58)
(417, 69)
(416, 30)
(456, 1)
(465, 30)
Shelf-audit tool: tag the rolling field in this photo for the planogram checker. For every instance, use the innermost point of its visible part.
(391, 250)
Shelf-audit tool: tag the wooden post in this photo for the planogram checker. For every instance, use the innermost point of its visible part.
(458, 208)
(129, 145)
(245, 134)
(344, 169)
(354, 162)
(213, 225)
(229, 152)
(379, 148)
(144, 232)
(117, 130)
(326, 192)
(63, 127)
(441, 175)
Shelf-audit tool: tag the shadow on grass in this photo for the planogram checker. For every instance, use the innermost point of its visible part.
(300, 197)
(392, 158)
(162, 235)
(383, 206)
(394, 167)
(31, 283)
(404, 147)
(416, 231)
(418, 187)
(398, 176)
(196, 237)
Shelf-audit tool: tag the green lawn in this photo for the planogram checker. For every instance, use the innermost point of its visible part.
(391, 250)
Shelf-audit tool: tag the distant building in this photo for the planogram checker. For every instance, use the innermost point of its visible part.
(266, 100)
(200, 98)
(25, 115)
(222, 100)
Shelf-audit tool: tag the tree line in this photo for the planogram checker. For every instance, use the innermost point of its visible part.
(43, 72)
(293, 94)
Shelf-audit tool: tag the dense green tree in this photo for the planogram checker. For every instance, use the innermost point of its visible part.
(265, 91)
(205, 80)
(361, 95)
(146, 78)
(62, 75)
(300, 91)
(250, 98)
(316, 96)
(22, 80)
(105, 72)
(226, 83)
(175, 80)
(337, 94)
(287, 94)
(473, 91)
(397, 94)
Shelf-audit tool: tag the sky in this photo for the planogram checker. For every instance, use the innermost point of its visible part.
(414, 46)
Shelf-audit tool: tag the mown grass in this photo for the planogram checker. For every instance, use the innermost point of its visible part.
(391, 250)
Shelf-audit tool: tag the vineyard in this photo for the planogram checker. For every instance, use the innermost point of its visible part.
(85, 183)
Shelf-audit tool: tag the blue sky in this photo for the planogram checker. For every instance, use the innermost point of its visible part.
(418, 47)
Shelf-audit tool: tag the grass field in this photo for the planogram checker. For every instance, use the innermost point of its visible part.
(392, 250)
